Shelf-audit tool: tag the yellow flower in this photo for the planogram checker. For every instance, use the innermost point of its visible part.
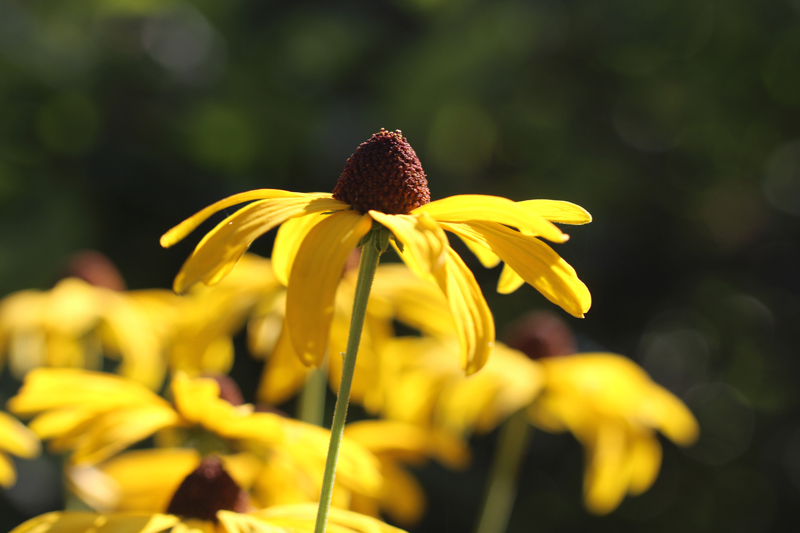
(72, 324)
(207, 500)
(613, 408)
(383, 182)
(17, 440)
(297, 518)
(428, 390)
(97, 415)
(395, 444)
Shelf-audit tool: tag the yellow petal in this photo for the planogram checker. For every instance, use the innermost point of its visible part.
(218, 252)
(283, 374)
(558, 211)
(86, 522)
(509, 281)
(116, 431)
(472, 317)
(534, 261)
(231, 522)
(488, 258)
(403, 498)
(424, 242)
(481, 208)
(17, 439)
(644, 461)
(315, 276)
(140, 480)
(183, 229)
(8, 476)
(669, 415)
(290, 236)
(605, 482)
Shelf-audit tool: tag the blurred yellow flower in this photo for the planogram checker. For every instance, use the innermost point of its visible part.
(396, 444)
(72, 325)
(428, 390)
(281, 519)
(97, 415)
(613, 408)
(397, 295)
(15, 439)
(207, 499)
(383, 182)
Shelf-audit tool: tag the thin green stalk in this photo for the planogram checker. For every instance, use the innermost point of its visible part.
(501, 490)
(372, 247)
(311, 405)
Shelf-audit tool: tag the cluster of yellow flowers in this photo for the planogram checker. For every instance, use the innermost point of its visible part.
(206, 461)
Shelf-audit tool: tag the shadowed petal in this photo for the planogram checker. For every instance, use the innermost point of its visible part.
(477, 207)
(218, 252)
(315, 275)
(290, 236)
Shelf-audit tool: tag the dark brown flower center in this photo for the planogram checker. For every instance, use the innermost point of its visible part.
(207, 490)
(385, 175)
(541, 334)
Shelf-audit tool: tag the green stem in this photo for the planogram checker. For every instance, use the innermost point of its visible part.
(373, 246)
(311, 405)
(501, 490)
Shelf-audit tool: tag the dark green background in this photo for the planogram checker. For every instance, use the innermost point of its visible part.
(676, 123)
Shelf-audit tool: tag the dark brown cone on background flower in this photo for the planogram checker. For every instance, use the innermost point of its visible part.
(228, 388)
(541, 334)
(95, 269)
(207, 490)
(383, 174)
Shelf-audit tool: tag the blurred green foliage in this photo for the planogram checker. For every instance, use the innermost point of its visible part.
(676, 123)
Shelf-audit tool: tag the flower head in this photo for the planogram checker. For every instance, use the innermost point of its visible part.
(318, 231)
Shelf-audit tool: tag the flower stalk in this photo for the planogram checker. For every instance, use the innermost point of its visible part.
(501, 489)
(373, 245)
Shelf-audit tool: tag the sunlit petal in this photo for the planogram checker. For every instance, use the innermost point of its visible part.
(644, 461)
(534, 261)
(284, 373)
(86, 522)
(558, 211)
(509, 280)
(218, 252)
(481, 208)
(604, 481)
(183, 229)
(17, 439)
(472, 317)
(488, 258)
(315, 275)
(424, 242)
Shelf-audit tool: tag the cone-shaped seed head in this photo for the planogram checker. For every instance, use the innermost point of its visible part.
(207, 490)
(541, 334)
(385, 175)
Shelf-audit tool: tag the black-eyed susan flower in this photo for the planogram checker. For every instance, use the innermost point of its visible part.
(614, 409)
(15, 439)
(383, 182)
(207, 500)
(94, 416)
(74, 325)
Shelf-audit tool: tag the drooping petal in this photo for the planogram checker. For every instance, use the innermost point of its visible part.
(534, 261)
(643, 461)
(509, 280)
(315, 275)
(488, 258)
(8, 476)
(482, 208)
(183, 229)
(558, 211)
(290, 236)
(302, 516)
(283, 374)
(471, 314)
(218, 252)
(605, 482)
(424, 242)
